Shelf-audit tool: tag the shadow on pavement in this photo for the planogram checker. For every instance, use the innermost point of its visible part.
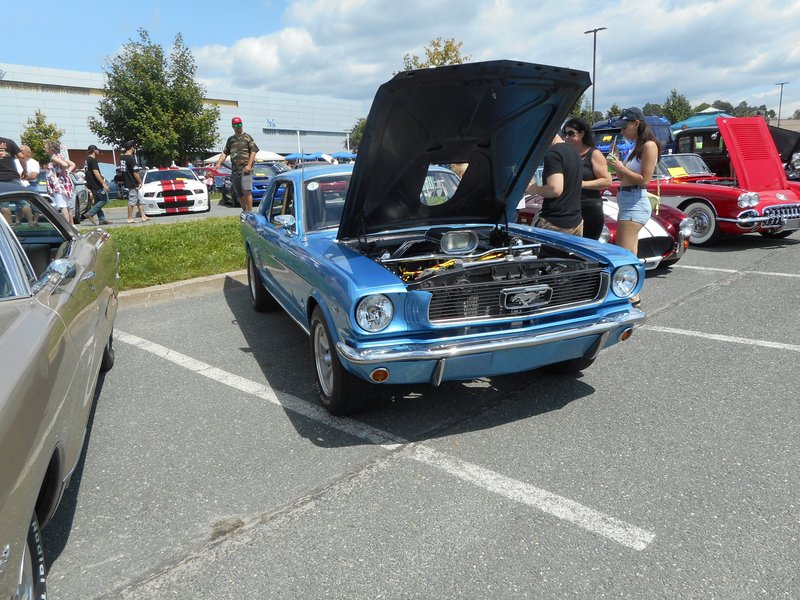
(411, 412)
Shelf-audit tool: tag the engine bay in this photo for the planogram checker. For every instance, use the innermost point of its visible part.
(442, 257)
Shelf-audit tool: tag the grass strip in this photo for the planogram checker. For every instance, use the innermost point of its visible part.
(169, 252)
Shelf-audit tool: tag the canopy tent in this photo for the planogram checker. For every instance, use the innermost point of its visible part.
(705, 118)
(212, 159)
(309, 156)
(263, 155)
(343, 155)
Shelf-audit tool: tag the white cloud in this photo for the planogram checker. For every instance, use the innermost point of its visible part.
(731, 50)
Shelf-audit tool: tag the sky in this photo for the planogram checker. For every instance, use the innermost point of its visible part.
(731, 50)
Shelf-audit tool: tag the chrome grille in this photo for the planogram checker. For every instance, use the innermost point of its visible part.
(488, 300)
(778, 214)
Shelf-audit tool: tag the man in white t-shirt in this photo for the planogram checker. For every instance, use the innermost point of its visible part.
(32, 173)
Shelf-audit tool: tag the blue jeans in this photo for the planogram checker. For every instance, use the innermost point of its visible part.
(100, 200)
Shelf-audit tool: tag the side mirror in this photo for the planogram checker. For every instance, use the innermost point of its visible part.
(284, 221)
(60, 270)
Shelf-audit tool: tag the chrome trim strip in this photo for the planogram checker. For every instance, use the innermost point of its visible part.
(438, 350)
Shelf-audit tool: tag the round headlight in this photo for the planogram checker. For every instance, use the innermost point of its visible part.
(747, 199)
(374, 313)
(687, 227)
(624, 281)
(605, 235)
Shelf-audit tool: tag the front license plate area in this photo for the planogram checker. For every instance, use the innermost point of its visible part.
(792, 224)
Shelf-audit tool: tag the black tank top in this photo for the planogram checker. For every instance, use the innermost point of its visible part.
(589, 197)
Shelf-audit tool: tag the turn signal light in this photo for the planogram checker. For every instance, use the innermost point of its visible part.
(379, 375)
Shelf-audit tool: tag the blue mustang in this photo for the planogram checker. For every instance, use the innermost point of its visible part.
(402, 272)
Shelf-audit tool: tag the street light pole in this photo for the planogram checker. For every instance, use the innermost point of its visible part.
(780, 102)
(594, 61)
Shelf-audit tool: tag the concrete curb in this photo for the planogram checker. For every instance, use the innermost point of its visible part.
(179, 289)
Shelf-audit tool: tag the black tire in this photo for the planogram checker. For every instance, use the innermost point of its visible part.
(260, 298)
(706, 229)
(776, 235)
(34, 569)
(570, 367)
(107, 362)
(340, 393)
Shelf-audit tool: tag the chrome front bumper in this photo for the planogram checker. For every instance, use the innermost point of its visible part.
(439, 350)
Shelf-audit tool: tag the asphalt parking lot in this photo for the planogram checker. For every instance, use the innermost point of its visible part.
(667, 470)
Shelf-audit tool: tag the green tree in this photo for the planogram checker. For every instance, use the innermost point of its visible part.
(652, 110)
(356, 135)
(677, 107)
(36, 131)
(613, 111)
(701, 107)
(724, 106)
(156, 103)
(438, 53)
(583, 109)
(796, 114)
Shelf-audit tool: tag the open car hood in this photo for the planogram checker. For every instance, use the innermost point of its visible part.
(753, 154)
(499, 116)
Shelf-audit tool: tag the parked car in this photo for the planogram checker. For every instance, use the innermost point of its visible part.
(115, 190)
(173, 190)
(607, 135)
(58, 300)
(759, 198)
(662, 241)
(262, 173)
(402, 273)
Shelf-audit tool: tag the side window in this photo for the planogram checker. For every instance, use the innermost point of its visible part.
(278, 196)
(685, 144)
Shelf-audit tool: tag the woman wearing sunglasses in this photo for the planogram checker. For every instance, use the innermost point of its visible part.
(596, 177)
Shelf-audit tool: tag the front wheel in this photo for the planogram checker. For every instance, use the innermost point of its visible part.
(33, 575)
(260, 298)
(107, 362)
(340, 392)
(706, 228)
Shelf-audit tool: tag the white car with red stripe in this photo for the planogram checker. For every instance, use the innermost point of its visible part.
(173, 191)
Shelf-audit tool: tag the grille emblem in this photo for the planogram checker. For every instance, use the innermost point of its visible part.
(526, 297)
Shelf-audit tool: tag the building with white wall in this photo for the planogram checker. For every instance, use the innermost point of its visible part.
(279, 122)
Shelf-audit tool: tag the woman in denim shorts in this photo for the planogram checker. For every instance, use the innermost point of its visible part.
(634, 174)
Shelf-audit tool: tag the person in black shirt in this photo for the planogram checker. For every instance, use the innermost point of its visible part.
(97, 185)
(560, 189)
(9, 150)
(595, 175)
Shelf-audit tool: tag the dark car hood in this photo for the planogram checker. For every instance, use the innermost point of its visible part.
(753, 155)
(500, 117)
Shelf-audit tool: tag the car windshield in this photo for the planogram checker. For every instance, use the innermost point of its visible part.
(324, 196)
(168, 175)
(681, 165)
(269, 169)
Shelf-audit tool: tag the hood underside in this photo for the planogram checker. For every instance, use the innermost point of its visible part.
(753, 154)
(499, 117)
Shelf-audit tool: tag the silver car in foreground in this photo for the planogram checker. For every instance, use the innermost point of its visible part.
(58, 300)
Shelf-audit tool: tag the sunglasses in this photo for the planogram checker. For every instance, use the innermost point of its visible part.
(570, 133)
(237, 124)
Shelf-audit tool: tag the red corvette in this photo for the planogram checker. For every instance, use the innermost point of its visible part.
(758, 198)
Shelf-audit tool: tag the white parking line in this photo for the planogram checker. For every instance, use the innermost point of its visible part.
(795, 275)
(562, 508)
(723, 338)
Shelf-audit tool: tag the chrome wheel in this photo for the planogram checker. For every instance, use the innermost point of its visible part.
(323, 359)
(705, 228)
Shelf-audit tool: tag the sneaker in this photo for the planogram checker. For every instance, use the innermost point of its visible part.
(90, 218)
(105, 222)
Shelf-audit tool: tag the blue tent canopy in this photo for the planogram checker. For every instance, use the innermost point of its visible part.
(699, 120)
(343, 155)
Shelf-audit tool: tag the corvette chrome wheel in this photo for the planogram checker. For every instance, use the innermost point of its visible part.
(706, 228)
